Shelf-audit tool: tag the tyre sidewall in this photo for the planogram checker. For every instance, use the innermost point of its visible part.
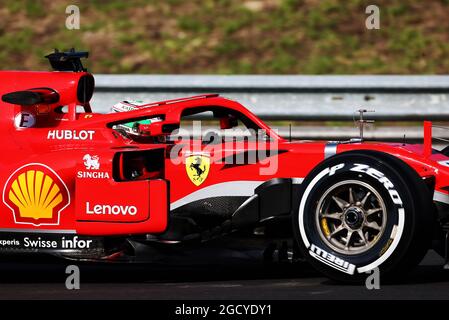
(396, 237)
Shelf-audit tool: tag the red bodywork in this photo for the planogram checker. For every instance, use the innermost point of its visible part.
(66, 172)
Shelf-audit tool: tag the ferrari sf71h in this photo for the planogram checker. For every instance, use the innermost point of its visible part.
(163, 177)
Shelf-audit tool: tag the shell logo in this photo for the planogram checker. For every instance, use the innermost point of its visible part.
(36, 195)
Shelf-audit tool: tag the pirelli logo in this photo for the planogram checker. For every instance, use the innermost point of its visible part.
(331, 260)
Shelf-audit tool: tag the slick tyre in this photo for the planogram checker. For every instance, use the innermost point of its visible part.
(360, 211)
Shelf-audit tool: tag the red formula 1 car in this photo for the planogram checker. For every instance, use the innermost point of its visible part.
(179, 174)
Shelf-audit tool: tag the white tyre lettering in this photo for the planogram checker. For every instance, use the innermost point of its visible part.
(379, 176)
(395, 197)
(360, 167)
(333, 169)
(374, 173)
(386, 182)
(331, 260)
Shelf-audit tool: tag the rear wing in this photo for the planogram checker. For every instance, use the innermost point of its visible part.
(67, 61)
(29, 91)
(46, 93)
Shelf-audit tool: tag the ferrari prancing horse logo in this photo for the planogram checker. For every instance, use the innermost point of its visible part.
(197, 167)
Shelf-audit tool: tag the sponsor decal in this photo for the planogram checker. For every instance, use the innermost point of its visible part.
(331, 260)
(76, 135)
(24, 120)
(16, 241)
(36, 195)
(92, 163)
(92, 175)
(197, 168)
(105, 209)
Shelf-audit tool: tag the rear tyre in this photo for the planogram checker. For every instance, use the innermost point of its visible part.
(360, 211)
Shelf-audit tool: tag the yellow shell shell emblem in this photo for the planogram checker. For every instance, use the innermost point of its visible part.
(197, 167)
(36, 195)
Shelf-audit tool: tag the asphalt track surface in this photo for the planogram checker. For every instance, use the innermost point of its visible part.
(46, 280)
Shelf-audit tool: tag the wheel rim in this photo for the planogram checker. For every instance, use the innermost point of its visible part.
(351, 217)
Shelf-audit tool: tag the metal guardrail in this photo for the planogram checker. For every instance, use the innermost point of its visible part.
(301, 98)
